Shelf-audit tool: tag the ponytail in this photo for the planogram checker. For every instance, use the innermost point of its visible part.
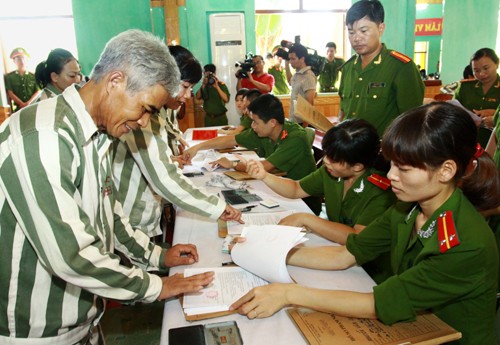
(482, 186)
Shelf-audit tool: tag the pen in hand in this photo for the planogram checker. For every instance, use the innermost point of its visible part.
(248, 208)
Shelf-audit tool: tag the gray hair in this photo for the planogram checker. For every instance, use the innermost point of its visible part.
(143, 57)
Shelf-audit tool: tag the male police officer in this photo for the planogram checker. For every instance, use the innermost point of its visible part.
(377, 84)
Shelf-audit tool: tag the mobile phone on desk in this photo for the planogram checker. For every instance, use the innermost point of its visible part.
(193, 174)
(226, 332)
(269, 203)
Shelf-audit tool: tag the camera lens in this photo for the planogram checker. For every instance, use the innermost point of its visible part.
(211, 79)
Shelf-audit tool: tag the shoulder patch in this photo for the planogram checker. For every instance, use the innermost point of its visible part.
(447, 232)
(400, 56)
(379, 181)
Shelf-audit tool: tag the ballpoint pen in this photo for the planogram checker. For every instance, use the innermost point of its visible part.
(248, 208)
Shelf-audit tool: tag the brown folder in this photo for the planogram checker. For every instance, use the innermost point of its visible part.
(323, 329)
(309, 114)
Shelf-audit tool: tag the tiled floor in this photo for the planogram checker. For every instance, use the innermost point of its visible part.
(138, 324)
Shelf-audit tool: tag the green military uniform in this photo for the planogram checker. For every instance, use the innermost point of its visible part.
(496, 125)
(470, 94)
(362, 203)
(280, 84)
(329, 75)
(291, 153)
(388, 86)
(449, 270)
(246, 122)
(23, 86)
(214, 106)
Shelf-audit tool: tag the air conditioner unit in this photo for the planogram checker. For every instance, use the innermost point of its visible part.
(228, 45)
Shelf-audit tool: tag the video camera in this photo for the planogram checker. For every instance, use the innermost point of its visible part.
(316, 62)
(211, 79)
(246, 66)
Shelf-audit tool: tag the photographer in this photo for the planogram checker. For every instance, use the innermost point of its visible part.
(303, 82)
(215, 95)
(258, 79)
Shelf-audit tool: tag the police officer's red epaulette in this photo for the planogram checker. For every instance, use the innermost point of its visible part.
(400, 56)
(379, 181)
(447, 233)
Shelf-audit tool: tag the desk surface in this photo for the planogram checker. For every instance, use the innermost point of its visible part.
(278, 329)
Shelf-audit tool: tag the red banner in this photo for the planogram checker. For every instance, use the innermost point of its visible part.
(429, 27)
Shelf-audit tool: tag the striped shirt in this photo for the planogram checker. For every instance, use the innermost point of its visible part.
(59, 225)
(172, 127)
(144, 173)
(48, 91)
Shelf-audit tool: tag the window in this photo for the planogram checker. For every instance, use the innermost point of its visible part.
(53, 23)
(420, 58)
(315, 21)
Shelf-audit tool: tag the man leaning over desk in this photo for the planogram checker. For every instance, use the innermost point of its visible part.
(59, 220)
(282, 143)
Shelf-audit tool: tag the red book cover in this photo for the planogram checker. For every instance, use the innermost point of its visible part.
(204, 134)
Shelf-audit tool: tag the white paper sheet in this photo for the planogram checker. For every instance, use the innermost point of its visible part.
(254, 218)
(265, 250)
(229, 284)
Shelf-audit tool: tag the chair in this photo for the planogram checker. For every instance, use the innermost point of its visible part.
(443, 97)
(311, 134)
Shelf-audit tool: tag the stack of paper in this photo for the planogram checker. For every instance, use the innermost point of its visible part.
(262, 259)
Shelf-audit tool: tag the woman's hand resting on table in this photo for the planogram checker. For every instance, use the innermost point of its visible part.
(263, 301)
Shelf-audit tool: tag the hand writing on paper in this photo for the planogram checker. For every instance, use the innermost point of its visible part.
(222, 163)
(256, 169)
(189, 154)
(230, 213)
(177, 284)
(262, 301)
(178, 160)
(181, 254)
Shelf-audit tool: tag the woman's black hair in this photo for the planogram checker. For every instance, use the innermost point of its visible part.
(55, 62)
(240, 92)
(426, 136)
(485, 52)
(189, 66)
(352, 141)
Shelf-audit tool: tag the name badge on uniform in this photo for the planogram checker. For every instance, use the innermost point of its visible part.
(376, 85)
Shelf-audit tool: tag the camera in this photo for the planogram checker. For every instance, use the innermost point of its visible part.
(316, 62)
(211, 79)
(246, 66)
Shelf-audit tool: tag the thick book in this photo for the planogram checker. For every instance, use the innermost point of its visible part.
(323, 329)
(260, 259)
(311, 115)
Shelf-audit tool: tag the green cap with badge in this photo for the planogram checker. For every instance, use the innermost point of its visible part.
(18, 52)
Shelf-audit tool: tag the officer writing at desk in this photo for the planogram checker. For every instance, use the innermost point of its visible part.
(443, 254)
(282, 143)
(377, 84)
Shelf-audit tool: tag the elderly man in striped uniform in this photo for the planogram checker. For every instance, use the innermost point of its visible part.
(59, 222)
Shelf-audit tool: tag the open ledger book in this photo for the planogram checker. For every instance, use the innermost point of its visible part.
(261, 259)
